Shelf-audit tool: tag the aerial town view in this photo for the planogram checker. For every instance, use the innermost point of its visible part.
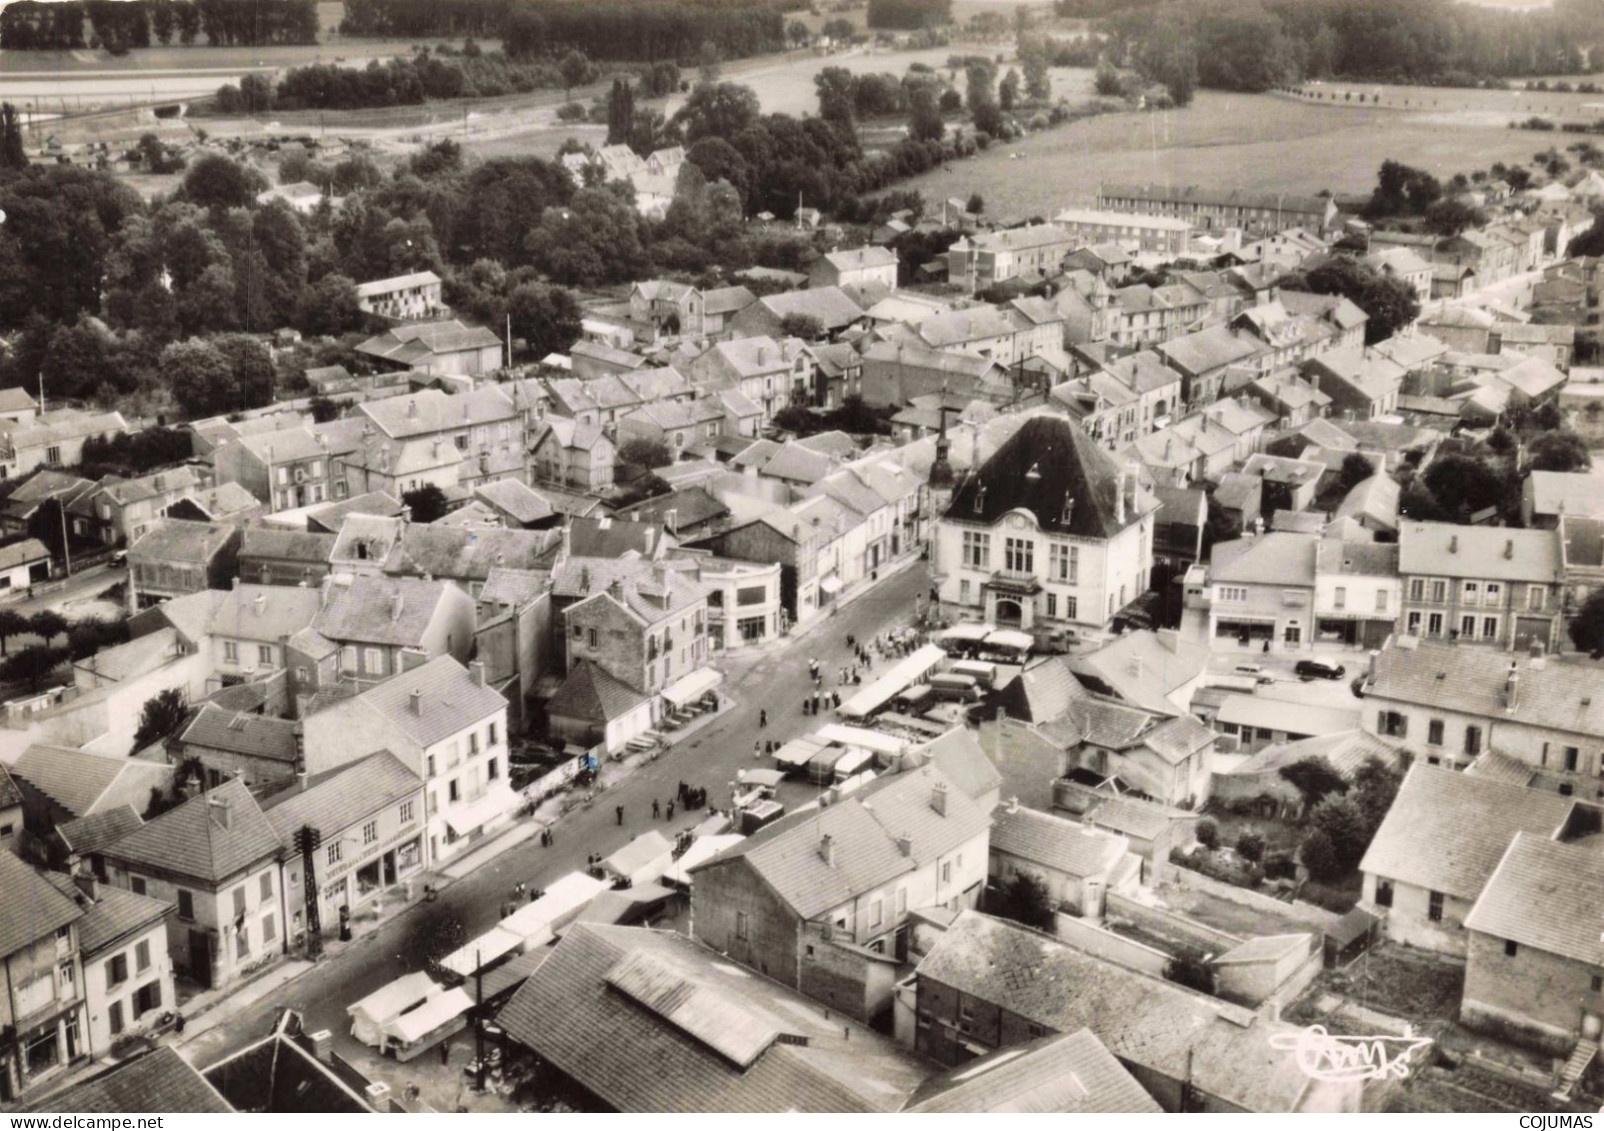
(625, 556)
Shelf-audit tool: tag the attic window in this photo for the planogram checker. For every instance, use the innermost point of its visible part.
(980, 498)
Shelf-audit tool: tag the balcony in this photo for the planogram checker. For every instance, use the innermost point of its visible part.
(1014, 581)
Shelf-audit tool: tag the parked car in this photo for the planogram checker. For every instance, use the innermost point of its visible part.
(118, 559)
(1319, 669)
(1260, 676)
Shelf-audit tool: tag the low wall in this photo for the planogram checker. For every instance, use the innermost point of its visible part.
(1185, 932)
(1316, 918)
(1103, 943)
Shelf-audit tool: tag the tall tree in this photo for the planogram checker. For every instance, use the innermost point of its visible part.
(12, 155)
(620, 112)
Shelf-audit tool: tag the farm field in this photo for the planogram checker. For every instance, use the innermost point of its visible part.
(1263, 141)
(1487, 107)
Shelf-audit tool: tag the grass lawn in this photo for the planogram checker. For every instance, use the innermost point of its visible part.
(1337, 895)
(1399, 980)
(1278, 835)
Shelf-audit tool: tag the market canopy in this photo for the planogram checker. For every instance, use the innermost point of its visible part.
(692, 686)
(369, 1015)
(563, 900)
(439, 1010)
(702, 849)
(968, 631)
(898, 678)
(1012, 639)
(799, 751)
(482, 951)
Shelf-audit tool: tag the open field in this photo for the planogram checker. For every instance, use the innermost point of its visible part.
(1487, 107)
(1263, 141)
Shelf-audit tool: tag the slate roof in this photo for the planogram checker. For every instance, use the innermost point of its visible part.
(863, 829)
(1047, 463)
(34, 906)
(1555, 693)
(342, 798)
(1277, 558)
(255, 736)
(332, 516)
(379, 610)
(451, 701)
(1145, 1022)
(276, 544)
(691, 507)
(612, 538)
(515, 499)
(82, 782)
(1425, 840)
(469, 555)
(610, 1000)
(192, 839)
(1054, 842)
(1490, 553)
(410, 344)
(265, 612)
(592, 693)
(431, 410)
(1069, 1073)
(1535, 894)
(830, 305)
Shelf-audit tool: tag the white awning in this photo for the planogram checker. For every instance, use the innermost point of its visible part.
(643, 859)
(1011, 638)
(438, 1011)
(861, 738)
(851, 762)
(967, 631)
(798, 752)
(369, 1015)
(702, 849)
(466, 819)
(692, 686)
(830, 584)
(482, 951)
(902, 675)
(563, 900)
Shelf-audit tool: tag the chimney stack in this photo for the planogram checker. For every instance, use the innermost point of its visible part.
(616, 588)
(476, 672)
(1453, 544)
(415, 701)
(905, 844)
(827, 850)
(260, 603)
(938, 798)
(86, 883)
(222, 811)
(1512, 687)
(1509, 548)
(412, 409)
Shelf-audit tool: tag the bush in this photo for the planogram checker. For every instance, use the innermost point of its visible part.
(1208, 834)
(571, 112)
(1250, 846)
(1281, 865)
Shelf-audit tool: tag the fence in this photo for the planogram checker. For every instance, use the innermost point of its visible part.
(1104, 943)
(1160, 923)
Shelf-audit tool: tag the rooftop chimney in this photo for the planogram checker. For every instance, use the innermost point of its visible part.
(827, 850)
(86, 883)
(415, 701)
(1119, 499)
(1512, 687)
(905, 844)
(1509, 548)
(1453, 544)
(222, 811)
(476, 672)
(412, 409)
(395, 606)
(616, 588)
(261, 603)
(938, 798)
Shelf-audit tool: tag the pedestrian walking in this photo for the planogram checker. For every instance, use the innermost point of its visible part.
(804, 704)
(656, 809)
(763, 717)
(757, 750)
(619, 811)
(670, 810)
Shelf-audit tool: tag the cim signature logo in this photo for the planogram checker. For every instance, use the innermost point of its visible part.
(1334, 1057)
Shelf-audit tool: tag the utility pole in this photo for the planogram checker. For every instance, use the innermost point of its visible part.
(308, 840)
(479, 1014)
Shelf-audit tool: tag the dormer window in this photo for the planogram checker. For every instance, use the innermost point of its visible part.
(980, 499)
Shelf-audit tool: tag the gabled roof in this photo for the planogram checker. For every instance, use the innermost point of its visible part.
(469, 555)
(174, 540)
(112, 915)
(213, 837)
(342, 798)
(365, 609)
(1054, 842)
(251, 735)
(1210, 349)
(593, 693)
(272, 542)
(1055, 471)
(155, 1082)
(652, 1021)
(1069, 1073)
(264, 613)
(396, 283)
(331, 517)
(1555, 693)
(1375, 498)
(1536, 893)
(1426, 841)
(830, 305)
(613, 538)
(1147, 1023)
(1483, 552)
(1277, 558)
(789, 855)
(90, 834)
(861, 258)
(449, 700)
(1143, 667)
(420, 341)
(35, 908)
(83, 783)
(431, 410)
(688, 506)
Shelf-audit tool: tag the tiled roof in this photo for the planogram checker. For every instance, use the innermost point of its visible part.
(1069, 1073)
(431, 411)
(469, 555)
(1555, 693)
(959, 756)
(612, 538)
(830, 305)
(172, 539)
(138, 656)
(1375, 498)
(10, 795)
(690, 506)
(1490, 553)
(1208, 350)
(380, 610)
(859, 258)
(863, 829)
(1147, 1023)
(272, 543)
(450, 701)
(516, 587)
(160, 1081)
(410, 344)
(652, 1021)
(196, 840)
(1134, 817)
(727, 300)
(1535, 895)
(265, 612)
(82, 782)
(47, 483)
(514, 498)
(592, 693)
(1345, 750)
(255, 736)
(1054, 842)
(34, 907)
(222, 501)
(112, 915)
(94, 832)
(1566, 492)
(1050, 467)
(285, 445)
(64, 424)
(332, 517)
(1425, 840)
(342, 798)
(1044, 691)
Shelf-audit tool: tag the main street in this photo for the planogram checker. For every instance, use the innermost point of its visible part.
(775, 680)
